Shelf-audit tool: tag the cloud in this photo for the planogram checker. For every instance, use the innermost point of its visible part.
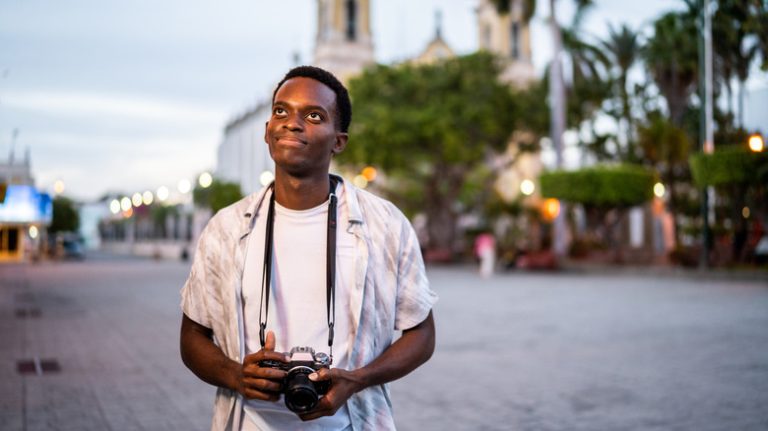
(96, 105)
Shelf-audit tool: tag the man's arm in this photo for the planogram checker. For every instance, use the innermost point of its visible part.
(210, 364)
(412, 349)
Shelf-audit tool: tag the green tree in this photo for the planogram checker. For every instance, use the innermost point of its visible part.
(666, 147)
(622, 47)
(427, 126)
(606, 192)
(218, 195)
(66, 217)
(671, 56)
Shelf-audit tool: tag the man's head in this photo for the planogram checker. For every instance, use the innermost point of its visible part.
(310, 113)
(343, 108)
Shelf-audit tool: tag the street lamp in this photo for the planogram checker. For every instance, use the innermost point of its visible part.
(756, 143)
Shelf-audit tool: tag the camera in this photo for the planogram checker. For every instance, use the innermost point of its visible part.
(301, 394)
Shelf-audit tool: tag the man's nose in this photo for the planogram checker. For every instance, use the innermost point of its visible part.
(294, 122)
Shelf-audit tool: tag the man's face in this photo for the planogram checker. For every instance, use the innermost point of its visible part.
(301, 132)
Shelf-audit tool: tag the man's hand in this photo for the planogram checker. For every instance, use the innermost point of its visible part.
(262, 383)
(343, 385)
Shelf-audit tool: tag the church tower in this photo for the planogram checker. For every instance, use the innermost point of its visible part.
(508, 35)
(343, 44)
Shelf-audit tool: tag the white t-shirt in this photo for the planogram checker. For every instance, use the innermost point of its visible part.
(297, 309)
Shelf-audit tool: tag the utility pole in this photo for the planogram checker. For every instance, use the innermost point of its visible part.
(557, 116)
(706, 130)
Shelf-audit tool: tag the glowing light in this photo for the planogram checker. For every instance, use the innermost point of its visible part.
(114, 206)
(147, 198)
(360, 181)
(745, 212)
(551, 209)
(125, 203)
(266, 177)
(58, 187)
(527, 187)
(370, 173)
(136, 199)
(205, 180)
(33, 232)
(659, 190)
(162, 193)
(128, 213)
(184, 186)
(756, 143)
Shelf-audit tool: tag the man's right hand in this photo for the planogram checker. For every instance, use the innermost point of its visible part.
(262, 383)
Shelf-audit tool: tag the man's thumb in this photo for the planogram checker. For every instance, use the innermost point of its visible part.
(269, 343)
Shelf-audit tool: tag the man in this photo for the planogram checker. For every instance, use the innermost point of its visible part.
(280, 238)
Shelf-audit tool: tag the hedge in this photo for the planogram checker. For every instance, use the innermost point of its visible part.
(729, 165)
(602, 185)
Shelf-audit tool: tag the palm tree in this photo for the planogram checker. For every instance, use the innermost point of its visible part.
(671, 56)
(623, 49)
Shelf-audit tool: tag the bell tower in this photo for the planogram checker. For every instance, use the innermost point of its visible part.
(343, 44)
(508, 35)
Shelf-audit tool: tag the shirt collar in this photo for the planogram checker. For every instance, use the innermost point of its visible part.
(252, 210)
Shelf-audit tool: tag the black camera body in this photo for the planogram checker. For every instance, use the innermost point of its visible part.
(301, 394)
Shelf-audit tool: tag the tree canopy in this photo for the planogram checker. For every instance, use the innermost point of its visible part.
(428, 125)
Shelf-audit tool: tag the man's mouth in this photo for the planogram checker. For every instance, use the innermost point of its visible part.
(290, 140)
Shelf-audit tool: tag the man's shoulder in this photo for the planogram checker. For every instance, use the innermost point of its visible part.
(235, 214)
(374, 204)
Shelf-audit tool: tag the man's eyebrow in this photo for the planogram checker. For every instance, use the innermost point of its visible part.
(305, 107)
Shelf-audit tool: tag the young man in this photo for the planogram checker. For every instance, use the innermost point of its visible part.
(281, 238)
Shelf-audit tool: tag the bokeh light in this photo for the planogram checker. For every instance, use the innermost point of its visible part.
(659, 190)
(266, 177)
(125, 203)
(136, 199)
(205, 180)
(147, 198)
(370, 173)
(756, 143)
(162, 193)
(58, 187)
(360, 181)
(527, 187)
(114, 206)
(33, 232)
(184, 186)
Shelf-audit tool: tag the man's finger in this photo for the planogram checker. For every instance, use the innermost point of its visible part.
(320, 375)
(269, 344)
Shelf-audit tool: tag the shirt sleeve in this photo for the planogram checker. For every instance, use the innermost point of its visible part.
(194, 293)
(414, 296)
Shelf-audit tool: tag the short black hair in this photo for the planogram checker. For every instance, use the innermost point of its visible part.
(343, 104)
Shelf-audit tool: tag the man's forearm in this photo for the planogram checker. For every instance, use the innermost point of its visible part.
(412, 349)
(204, 358)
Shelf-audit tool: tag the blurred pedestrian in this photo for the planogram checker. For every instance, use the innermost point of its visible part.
(485, 250)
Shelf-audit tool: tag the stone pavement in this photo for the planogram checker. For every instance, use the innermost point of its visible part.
(516, 352)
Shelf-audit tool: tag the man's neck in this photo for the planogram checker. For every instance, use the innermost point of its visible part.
(301, 193)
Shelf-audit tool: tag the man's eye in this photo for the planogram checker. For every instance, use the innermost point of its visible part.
(315, 116)
(279, 111)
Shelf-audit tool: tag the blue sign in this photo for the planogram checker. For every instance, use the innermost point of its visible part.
(24, 204)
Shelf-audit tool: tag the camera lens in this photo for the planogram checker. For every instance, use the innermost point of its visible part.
(300, 393)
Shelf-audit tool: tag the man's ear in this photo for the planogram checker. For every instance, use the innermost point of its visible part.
(341, 142)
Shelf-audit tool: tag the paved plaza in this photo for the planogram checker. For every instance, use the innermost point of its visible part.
(98, 345)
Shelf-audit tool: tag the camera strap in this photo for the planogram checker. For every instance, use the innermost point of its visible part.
(330, 268)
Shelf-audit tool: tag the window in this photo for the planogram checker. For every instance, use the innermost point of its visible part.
(351, 20)
(515, 40)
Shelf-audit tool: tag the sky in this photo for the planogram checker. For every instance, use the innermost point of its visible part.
(124, 96)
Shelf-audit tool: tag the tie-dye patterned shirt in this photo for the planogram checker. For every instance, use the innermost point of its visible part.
(391, 292)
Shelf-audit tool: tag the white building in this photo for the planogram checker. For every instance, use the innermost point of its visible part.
(243, 155)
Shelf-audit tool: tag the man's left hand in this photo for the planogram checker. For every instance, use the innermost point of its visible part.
(344, 385)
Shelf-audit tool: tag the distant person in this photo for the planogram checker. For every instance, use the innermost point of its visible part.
(485, 249)
(276, 272)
